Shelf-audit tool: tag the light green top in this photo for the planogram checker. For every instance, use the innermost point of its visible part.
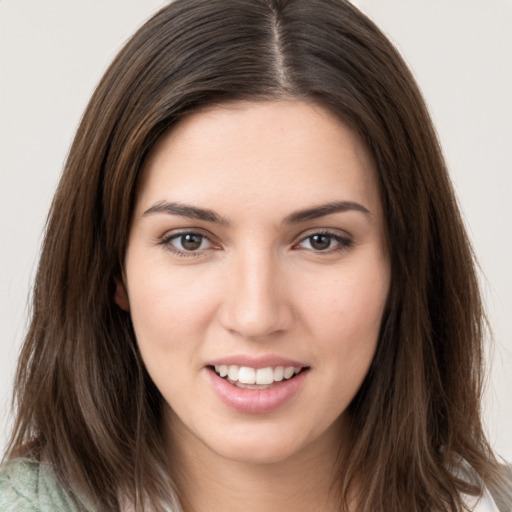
(27, 486)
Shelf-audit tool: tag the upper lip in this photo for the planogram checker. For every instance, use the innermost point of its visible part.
(256, 362)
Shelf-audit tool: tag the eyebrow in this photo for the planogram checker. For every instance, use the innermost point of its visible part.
(184, 210)
(325, 209)
(193, 212)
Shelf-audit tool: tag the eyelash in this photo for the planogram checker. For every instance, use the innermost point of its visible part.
(166, 241)
(344, 243)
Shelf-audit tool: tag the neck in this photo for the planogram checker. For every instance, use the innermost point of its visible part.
(208, 482)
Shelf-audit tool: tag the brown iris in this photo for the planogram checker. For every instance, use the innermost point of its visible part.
(320, 242)
(191, 241)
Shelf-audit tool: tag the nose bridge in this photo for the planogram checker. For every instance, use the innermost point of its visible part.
(255, 306)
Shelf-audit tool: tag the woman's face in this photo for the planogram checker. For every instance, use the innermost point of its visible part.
(257, 249)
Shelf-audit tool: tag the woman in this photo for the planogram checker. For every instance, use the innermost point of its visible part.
(255, 288)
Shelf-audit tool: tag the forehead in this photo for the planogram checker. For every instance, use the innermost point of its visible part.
(278, 152)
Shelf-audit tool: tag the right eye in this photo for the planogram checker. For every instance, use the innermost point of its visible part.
(187, 244)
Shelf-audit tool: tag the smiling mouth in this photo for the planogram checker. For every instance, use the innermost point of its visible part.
(261, 378)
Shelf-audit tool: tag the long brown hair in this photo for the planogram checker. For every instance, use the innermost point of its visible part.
(85, 403)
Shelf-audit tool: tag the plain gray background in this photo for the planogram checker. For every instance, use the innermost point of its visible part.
(52, 53)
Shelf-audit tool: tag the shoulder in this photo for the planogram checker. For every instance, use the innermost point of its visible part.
(501, 498)
(483, 503)
(30, 486)
(503, 495)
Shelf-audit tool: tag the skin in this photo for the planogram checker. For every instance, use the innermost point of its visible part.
(257, 286)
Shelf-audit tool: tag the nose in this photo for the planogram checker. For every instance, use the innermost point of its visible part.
(255, 305)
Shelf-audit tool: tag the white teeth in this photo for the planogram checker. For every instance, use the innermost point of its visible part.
(246, 375)
(288, 372)
(278, 373)
(233, 372)
(264, 376)
(221, 369)
(260, 376)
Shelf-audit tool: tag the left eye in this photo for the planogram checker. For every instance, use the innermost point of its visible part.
(189, 242)
(323, 242)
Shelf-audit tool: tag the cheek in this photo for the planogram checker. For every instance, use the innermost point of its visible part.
(170, 312)
(169, 307)
(351, 306)
(345, 322)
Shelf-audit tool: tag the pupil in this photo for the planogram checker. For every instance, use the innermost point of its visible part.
(320, 242)
(191, 242)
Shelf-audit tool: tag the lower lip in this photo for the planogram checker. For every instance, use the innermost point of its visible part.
(256, 401)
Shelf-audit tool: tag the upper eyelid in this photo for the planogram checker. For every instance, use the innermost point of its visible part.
(334, 232)
(174, 233)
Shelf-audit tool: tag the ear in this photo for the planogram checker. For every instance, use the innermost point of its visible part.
(121, 297)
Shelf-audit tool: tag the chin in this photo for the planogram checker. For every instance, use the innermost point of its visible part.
(275, 443)
(258, 451)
